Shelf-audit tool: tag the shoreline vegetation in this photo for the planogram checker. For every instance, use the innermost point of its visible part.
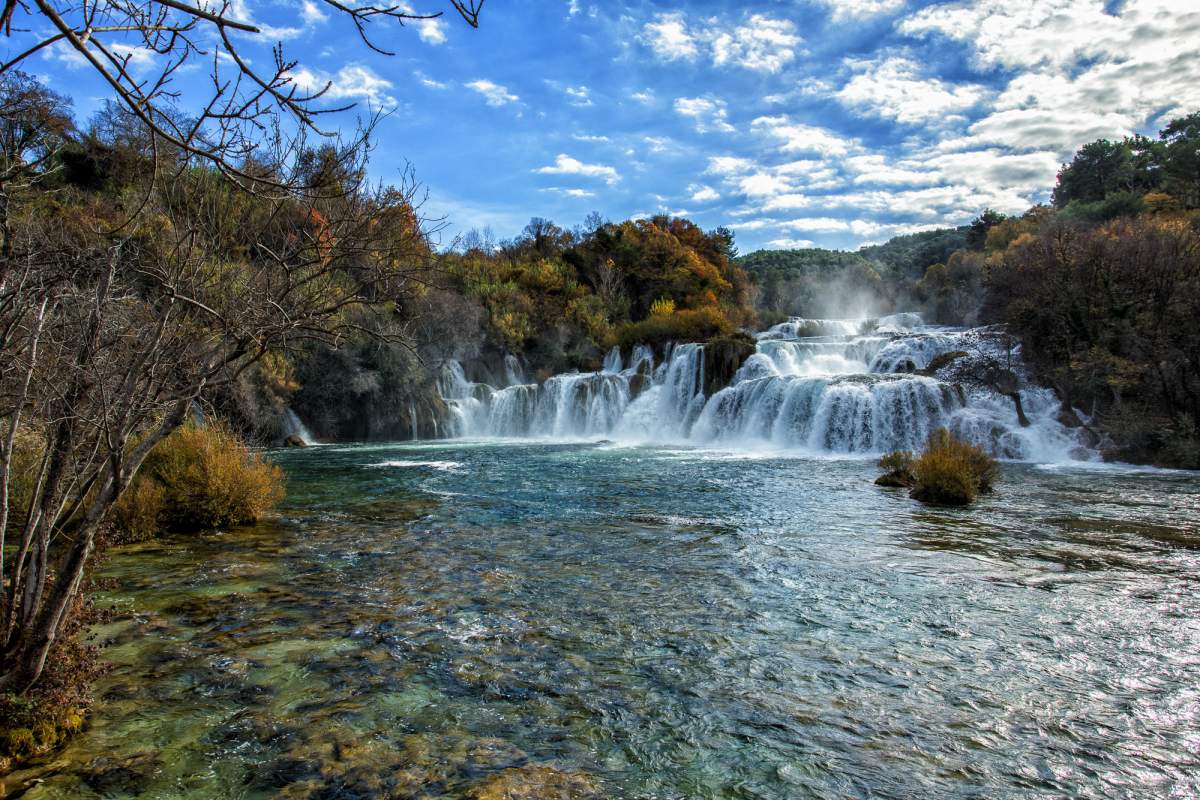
(155, 262)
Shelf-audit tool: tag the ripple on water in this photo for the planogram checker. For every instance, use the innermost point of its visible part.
(483, 620)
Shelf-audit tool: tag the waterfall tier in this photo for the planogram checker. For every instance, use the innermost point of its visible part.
(841, 386)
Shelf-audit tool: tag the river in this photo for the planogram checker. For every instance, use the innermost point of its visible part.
(655, 621)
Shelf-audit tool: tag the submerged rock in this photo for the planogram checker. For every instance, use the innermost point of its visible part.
(294, 441)
(537, 782)
(127, 776)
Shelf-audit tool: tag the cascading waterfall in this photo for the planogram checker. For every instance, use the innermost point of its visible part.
(839, 386)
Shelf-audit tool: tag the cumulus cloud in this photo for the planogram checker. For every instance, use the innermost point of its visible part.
(844, 10)
(762, 43)
(703, 194)
(667, 35)
(353, 82)
(1081, 71)
(797, 137)
(566, 165)
(894, 88)
(708, 113)
(493, 93)
(311, 13)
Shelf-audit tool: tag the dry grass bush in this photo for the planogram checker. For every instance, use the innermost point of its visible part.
(951, 471)
(897, 469)
(200, 477)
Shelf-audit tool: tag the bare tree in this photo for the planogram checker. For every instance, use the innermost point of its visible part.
(139, 47)
(114, 323)
(991, 361)
(121, 333)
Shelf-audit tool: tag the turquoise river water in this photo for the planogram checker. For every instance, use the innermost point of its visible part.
(503, 619)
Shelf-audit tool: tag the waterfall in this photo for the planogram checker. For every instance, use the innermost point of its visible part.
(837, 386)
(292, 426)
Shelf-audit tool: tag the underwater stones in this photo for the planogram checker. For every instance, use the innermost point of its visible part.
(537, 782)
(294, 441)
(127, 775)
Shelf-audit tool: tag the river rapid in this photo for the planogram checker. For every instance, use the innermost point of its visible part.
(654, 621)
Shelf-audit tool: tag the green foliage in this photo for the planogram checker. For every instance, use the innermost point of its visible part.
(977, 231)
(563, 298)
(1111, 206)
(200, 477)
(951, 471)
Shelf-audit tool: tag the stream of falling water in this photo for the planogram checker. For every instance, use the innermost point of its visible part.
(821, 386)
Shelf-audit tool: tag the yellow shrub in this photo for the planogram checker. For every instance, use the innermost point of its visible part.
(662, 307)
(688, 325)
(897, 469)
(209, 479)
(138, 513)
(951, 471)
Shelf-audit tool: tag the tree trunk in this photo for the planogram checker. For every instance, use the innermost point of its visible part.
(1020, 407)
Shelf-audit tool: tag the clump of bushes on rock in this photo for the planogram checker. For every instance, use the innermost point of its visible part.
(949, 471)
(200, 477)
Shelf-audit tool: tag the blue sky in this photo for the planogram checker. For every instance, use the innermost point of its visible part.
(832, 123)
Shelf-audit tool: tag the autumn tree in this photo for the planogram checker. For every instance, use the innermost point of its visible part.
(116, 319)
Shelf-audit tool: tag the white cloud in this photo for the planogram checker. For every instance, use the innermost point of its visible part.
(311, 13)
(575, 194)
(703, 194)
(729, 165)
(1082, 72)
(893, 88)
(844, 10)
(668, 37)
(658, 144)
(566, 165)
(580, 95)
(791, 244)
(495, 94)
(585, 137)
(352, 82)
(432, 30)
(428, 82)
(801, 138)
(572, 8)
(646, 97)
(709, 114)
(762, 45)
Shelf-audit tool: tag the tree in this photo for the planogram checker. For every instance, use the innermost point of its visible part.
(978, 230)
(1099, 168)
(115, 323)
(225, 127)
(1181, 143)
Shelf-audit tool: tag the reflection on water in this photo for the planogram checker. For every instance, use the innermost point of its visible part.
(481, 619)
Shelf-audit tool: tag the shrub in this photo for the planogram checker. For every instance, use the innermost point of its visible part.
(139, 511)
(688, 325)
(897, 469)
(951, 471)
(199, 477)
